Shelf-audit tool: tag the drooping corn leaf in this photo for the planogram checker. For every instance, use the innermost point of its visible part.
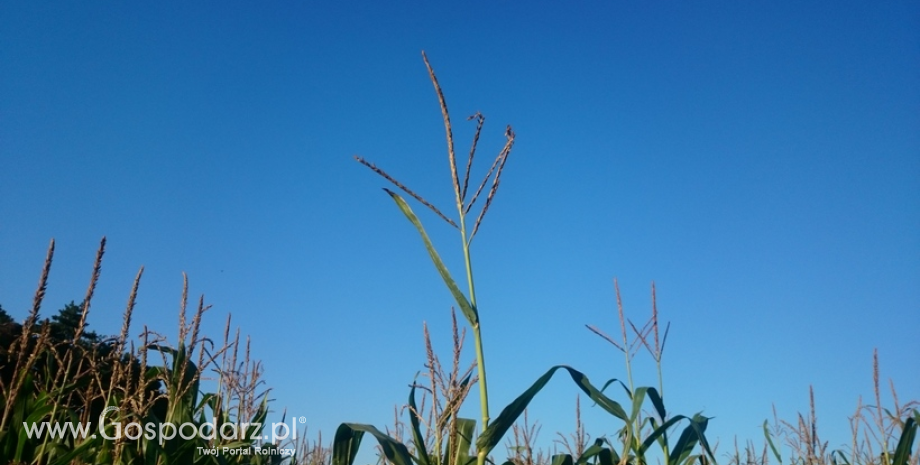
(417, 438)
(348, 440)
(766, 434)
(906, 442)
(605, 456)
(692, 435)
(658, 432)
(562, 459)
(345, 445)
(468, 310)
(658, 403)
(841, 458)
(495, 431)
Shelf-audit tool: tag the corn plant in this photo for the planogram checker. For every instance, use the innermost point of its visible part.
(880, 435)
(72, 378)
(349, 435)
(640, 432)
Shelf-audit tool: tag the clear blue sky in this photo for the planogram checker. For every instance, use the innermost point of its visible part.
(759, 160)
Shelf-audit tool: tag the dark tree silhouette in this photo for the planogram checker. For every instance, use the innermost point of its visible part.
(89, 361)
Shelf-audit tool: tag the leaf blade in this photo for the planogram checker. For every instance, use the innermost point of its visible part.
(492, 435)
(468, 310)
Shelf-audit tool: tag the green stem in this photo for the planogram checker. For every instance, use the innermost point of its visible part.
(664, 443)
(633, 427)
(477, 338)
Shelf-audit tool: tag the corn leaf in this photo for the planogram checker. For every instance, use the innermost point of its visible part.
(345, 445)
(348, 439)
(658, 403)
(468, 310)
(906, 442)
(692, 435)
(419, 440)
(604, 455)
(465, 429)
(659, 431)
(562, 459)
(496, 430)
(766, 434)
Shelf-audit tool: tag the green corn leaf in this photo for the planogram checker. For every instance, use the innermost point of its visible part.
(563, 459)
(608, 457)
(39, 410)
(208, 400)
(614, 380)
(843, 458)
(348, 439)
(766, 434)
(591, 451)
(496, 430)
(598, 449)
(700, 423)
(658, 403)
(417, 438)
(638, 399)
(906, 442)
(692, 435)
(186, 382)
(468, 310)
(89, 448)
(465, 429)
(658, 432)
(612, 407)
(345, 445)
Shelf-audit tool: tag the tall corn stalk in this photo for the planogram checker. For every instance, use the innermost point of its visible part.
(466, 228)
(349, 435)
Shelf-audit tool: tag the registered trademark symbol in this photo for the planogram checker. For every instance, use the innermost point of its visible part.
(303, 419)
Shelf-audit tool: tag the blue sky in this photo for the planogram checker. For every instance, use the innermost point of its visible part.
(760, 161)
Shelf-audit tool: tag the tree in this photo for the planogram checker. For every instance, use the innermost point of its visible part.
(64, 325)
(9, 332)
(5, 318)
(90, 361)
